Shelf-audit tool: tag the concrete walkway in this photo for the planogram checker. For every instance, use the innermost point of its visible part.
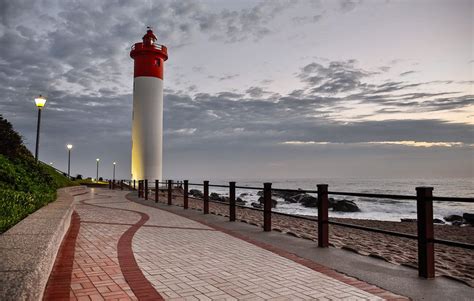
(120, 250)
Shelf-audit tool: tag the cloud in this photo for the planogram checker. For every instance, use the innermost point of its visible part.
(422, 144)
(307, 19)
(223, 77)
(348, 5)
(306, 142)
(344, 81)
(407, 73)
(185, 131)
(251, 23)
(336, 77)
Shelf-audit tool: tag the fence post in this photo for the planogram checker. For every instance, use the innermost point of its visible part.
(134, 187)
(129, 185)
(110, 184)
(185, 195)
(323, 220)
(146, 189)
(232, 201)
(205, 208)
(267, 207)
(121, 184)
(139, 188)
(170, 192)
(157, 191)
(424, 211)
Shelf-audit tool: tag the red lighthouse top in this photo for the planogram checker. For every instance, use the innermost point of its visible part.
(149, 56)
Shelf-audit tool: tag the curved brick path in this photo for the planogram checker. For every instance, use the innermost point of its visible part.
(120, 250)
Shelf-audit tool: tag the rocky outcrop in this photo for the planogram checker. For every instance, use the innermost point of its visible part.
(308, 201)
(286, 195)
(240, 202)
(256, 205)
(196, 193)
(453, 217)
(214, 196)
(468, 218)
(274, 202)
(345, 206)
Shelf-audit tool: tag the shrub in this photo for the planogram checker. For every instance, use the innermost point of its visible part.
(25, 185)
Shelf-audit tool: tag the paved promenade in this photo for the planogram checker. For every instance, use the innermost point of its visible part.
(120, 250)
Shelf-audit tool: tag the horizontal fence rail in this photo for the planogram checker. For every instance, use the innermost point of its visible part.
(423, 198)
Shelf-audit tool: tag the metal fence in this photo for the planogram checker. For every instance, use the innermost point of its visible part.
(424, 199)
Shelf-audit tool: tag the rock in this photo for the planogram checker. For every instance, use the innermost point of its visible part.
(218, 198)
(408, 220)
(468, 218)
(332, 201)
(214, 196)
(457, 223)
(308, 201)
(257, 205)
(239, 201)
(453, 217)
(438, 221)
(243, 194)
(295, 198)
(345, 206)
(286, 195)
(196, 193)
(274, 202)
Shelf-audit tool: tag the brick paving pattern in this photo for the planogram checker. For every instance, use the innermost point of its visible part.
(127, 251)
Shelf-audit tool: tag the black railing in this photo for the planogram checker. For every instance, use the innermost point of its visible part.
(424, 199)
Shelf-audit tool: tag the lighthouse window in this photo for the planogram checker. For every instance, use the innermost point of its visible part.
(158, 62)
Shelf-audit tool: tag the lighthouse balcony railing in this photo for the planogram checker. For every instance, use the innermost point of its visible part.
(138, 46)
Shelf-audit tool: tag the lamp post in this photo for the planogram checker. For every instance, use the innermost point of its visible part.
(97, 173)
(39, 101)
(114, 171)
(69, 147)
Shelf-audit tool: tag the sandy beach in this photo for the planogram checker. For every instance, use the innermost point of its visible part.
(453, 262)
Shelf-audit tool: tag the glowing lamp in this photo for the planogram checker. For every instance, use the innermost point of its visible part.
(40, 101)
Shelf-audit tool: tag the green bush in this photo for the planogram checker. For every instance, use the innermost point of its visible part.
(25, 185)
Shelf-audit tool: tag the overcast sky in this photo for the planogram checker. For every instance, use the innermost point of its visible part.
(253, 89)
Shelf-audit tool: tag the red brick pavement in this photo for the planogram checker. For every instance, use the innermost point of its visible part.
(96, 260)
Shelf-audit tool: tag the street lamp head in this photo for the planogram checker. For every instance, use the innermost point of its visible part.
(69, 146)
(115, 163)
(97, 159)
(40, 101)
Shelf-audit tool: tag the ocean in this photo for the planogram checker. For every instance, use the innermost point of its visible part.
(371, 208)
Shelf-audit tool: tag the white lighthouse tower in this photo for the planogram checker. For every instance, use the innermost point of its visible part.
(147, 118)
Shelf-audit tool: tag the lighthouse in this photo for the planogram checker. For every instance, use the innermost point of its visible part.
(147, 116)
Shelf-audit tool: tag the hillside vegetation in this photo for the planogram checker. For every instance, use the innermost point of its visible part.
(25, 185)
